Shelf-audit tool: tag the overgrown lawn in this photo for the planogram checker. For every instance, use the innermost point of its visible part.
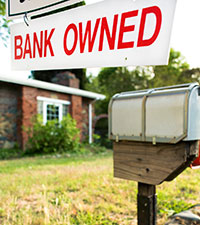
(81, 190)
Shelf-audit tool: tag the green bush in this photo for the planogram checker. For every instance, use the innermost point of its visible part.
(10, 153)
(53, 136)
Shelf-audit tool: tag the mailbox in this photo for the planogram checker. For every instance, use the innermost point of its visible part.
(160, 115)
(155, 132)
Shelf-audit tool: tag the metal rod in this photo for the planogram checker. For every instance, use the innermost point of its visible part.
(147, 203)
(90, 123)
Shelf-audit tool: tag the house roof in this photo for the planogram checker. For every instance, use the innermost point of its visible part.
(51, 87)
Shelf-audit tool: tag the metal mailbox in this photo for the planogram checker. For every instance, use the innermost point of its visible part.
(161, 115)
(155, 132)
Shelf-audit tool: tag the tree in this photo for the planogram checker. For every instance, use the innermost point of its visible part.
(190, 75)
(119, 79)
(2, 7)
(3, 22)
(115, 80)
(172, 73)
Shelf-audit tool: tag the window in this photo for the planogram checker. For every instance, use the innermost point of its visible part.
(52, 112)
(52, 109)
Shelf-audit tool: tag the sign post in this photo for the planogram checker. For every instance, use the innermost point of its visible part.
(147, 202)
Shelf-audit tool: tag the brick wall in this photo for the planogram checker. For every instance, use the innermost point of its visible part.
(10, 115)
(76, 109)
(18, 104)
(85, 116)
(29, 106)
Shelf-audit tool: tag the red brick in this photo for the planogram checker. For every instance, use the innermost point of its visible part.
(25, 100)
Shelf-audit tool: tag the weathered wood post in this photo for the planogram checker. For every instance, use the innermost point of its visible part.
(147, 202)
(155, 138)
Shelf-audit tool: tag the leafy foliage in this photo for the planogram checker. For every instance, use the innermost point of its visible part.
(190, 75)
(3, 22)
(117, 79)
(53, 136)
(10, 153)
(2, 7)
(171, 74)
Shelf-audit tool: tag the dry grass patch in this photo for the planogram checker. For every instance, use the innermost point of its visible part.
(81, 190)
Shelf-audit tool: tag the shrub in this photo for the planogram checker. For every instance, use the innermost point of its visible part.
(53, 136)
(10, 153)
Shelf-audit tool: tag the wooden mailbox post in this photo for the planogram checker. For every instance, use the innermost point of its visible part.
(155, 134)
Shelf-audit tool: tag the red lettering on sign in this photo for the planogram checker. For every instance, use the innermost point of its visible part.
(110, 33)
(124, 29)
(47, 42)
(88, 35)
(18, 47)
(37, 45)
(155, 10)
(27, 47)
(111, 30)
(74, 28)
(111, 38)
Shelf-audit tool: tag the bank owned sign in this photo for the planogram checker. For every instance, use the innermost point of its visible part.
(108, 33)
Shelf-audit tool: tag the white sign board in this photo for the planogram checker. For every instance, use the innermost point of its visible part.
(105, 34)
(18, 8)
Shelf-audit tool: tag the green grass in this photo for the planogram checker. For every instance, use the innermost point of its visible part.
(48, 190)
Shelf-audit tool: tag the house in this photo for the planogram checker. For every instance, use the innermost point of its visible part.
(21, 99)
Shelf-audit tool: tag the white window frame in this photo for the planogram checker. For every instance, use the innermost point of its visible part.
(51, 101)
(60, 116)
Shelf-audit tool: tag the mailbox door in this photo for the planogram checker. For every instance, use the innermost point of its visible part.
(165, 116)
(127, 117)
